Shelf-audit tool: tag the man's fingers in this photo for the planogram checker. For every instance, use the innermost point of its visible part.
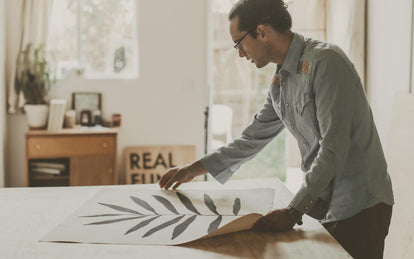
(169, 183)
(174, 178)
(177, 184)
(165, 178)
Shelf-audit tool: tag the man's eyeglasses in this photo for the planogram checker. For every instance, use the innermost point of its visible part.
(236, 44)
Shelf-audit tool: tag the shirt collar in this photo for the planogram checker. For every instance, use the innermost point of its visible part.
(294, 53)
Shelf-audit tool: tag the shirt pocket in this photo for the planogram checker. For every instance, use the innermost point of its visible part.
(306, 116)
(303, 101)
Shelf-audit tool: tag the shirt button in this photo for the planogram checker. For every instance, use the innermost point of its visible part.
(293, 126)
(283, 82)
(311, 201)
(306, 207)
(287, 105)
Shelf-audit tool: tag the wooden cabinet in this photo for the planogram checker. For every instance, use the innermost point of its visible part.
(89, 156)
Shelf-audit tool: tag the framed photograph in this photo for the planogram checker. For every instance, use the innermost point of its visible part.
(86, 101)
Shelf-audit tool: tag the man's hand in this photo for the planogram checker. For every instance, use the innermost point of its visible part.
(179, 175)
(275, 221)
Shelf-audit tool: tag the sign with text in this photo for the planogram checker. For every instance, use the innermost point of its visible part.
(146, 164)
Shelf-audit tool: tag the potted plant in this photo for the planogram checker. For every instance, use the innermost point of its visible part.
(34, 78)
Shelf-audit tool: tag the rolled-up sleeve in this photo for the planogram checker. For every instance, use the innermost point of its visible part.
(266, 125)
(334, 85)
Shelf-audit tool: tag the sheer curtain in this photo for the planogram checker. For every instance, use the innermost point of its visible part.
(2, 92)
(345, 26)
(26, 22)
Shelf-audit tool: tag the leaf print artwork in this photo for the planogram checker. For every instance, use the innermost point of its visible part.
(155, 217)
(164, 225)
(166, 203)
(112, 221)
(183, 226)
(141, 225)
(143, 204)
(187, 203)
(236, 206)
(210, 203)
(215, 224)
(115, 207)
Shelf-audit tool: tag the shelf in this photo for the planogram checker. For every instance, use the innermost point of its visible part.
(39, 179)
(38, 176)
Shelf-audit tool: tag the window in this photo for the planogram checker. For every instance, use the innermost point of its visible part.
(94, 38)
(241, 86)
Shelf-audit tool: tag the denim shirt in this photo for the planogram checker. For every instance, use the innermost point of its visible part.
(318, 96)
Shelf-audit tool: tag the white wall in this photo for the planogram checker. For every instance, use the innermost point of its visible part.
(2, 93)
(165, 105)
(388, 71)
(388, 57)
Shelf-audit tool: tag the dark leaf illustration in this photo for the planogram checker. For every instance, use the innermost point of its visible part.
(145, 219)
(236, 206)
(210, 203)
(187, 203)
(183, 226)
(166, 203)
(102, 215)
(115, 207)
(141, 225)
(164, 225)
(215, 224)
(113, 220)
(143, 204)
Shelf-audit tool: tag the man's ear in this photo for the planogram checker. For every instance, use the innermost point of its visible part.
(261, 31)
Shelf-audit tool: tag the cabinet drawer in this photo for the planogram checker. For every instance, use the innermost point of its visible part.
(63, 146)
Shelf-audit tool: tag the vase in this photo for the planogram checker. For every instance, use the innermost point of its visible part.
(37, 115)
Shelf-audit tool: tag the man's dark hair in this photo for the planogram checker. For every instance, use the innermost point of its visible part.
(251, 13)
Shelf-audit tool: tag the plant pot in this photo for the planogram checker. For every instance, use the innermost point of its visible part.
(37, 115)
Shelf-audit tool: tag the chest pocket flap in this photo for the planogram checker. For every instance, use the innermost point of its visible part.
(303, 101)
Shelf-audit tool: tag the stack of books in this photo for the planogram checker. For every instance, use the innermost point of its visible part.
(54, 168)
(56, 114)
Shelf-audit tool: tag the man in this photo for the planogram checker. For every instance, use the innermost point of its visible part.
(317, 95)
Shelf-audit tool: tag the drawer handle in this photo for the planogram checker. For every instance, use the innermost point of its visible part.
(110, 170)
(105, 145)
(37, 146)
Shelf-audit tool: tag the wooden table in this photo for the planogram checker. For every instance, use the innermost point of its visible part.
(27, 214)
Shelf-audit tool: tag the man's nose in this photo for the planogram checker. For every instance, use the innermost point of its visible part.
(241, 53)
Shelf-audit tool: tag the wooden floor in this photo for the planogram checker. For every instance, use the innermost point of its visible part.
(27, 214)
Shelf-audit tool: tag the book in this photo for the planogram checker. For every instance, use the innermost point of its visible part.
(47, 170)
(51, 165)
(56, 114)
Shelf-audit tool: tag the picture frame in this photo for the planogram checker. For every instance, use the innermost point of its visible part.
(82, 101)
(86, 118)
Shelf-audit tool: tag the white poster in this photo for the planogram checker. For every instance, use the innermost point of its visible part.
(160, 217)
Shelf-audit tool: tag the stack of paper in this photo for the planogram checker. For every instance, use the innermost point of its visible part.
(56, 114)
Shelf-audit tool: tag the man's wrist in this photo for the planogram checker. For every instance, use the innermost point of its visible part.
(295, 215)
(197, 169)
